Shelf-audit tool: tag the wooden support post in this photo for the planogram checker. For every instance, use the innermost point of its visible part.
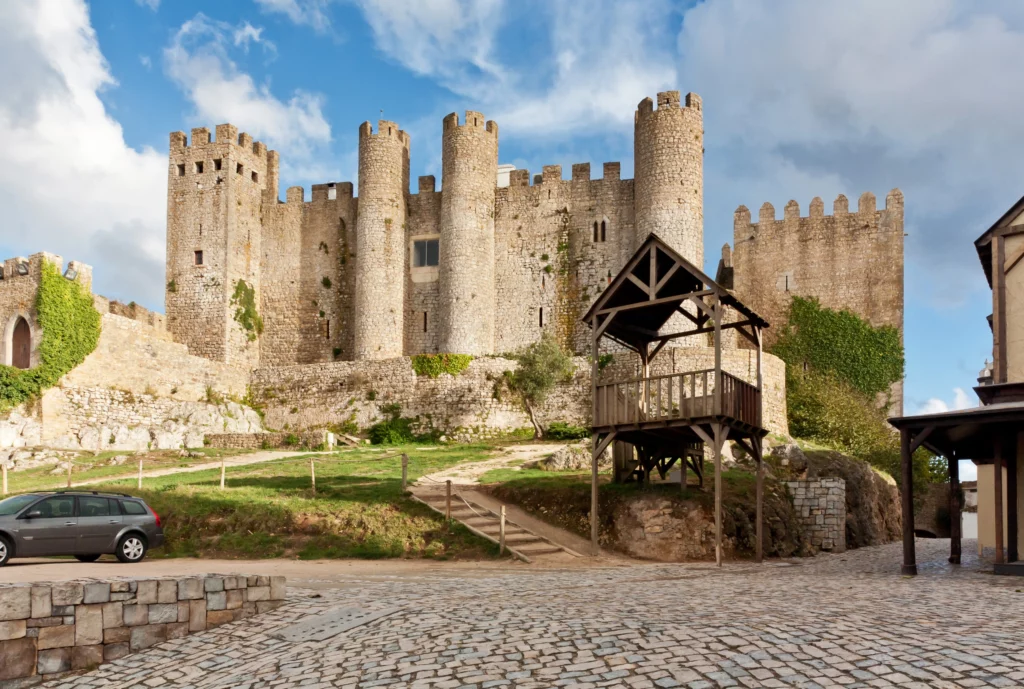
(717, 434)
(955, 511)
(1012, 525)
(448, 500)
(997, 474)
(682, 473)
(69, 473)
(140, 474)
(718, 371)
(594, 531)
(907, 488)
(222, 472)
(3, 468)
(501, 532)
(312, 475)
(759, 527)
(595, 355)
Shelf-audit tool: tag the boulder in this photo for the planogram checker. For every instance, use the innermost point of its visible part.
(574, 457)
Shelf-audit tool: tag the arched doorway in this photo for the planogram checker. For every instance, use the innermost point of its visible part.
(21, 345)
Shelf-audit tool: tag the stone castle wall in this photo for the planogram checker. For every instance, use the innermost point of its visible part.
(821, 507)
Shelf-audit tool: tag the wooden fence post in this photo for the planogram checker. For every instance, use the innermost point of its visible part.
(448, 501)
(3, 468)
(501, 533)
(140, 474)
(222, 472)
(312, 474)
(69, 473)
(405, 471)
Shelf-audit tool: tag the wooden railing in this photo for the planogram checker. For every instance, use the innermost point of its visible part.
(676, 396)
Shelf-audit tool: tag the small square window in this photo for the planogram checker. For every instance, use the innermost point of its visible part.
(199, 258)
(425, 253)
(199, 167)
(217, 163)
(255, 176)
(181, 171)
(238, 168)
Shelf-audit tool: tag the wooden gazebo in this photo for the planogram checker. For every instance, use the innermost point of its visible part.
(669, 417)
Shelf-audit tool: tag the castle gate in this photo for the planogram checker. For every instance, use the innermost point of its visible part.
(21, 345)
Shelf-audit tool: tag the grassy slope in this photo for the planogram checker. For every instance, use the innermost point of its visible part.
(269, 510)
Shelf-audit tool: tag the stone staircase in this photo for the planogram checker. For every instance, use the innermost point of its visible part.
(522, 543)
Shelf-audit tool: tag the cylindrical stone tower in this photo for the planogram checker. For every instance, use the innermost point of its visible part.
(469, 163)
(380, 242)
(668, 154)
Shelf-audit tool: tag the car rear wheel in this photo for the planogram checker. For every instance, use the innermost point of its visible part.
(87, 558)
(6, 549)
(131, 548)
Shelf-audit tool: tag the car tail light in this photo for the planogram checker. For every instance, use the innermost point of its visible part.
(155, 516)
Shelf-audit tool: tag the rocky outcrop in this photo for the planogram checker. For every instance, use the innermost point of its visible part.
(575, 457)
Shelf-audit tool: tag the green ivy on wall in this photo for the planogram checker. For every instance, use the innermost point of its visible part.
(434, 365)
(71, 330)
(840, 342)
(246, 315)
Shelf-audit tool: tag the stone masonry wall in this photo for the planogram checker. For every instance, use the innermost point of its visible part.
(48, 630)
(821, 506)
(257, 441)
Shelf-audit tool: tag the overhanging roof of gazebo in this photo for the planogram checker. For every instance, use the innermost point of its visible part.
(967, 433)
(983, 244)
(651, 288)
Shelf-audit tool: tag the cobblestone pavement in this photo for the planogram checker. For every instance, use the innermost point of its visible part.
(839, 620)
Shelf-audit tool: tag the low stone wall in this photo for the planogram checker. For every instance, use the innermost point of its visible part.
(47, 630)
(257, 441)
(821, 506)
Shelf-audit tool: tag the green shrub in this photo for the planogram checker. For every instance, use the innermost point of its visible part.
(396, 429)
(246, 315)
(71, 330)
(433, 365)
(291, 440)
(563, 431)
(542, 365)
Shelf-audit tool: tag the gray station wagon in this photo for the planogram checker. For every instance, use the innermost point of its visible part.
(77, 523)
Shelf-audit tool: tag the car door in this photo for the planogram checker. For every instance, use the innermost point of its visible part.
(48, 527)
(99, 520)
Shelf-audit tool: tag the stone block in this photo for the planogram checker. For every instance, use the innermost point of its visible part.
(248, 610)
(116, 650)
(117, 635)
(252, 580)
(122, 597)
(216, 601)
(230, 583)
(196, 615)
(213, 584)
(98, 592)
(86, 657)
(167, 591)
(255, 593)
(215, 618)
(136, 615)
(120, 587)
(113, 615)
(12, 629)
(56, 637)
(177, 630)
(278, 588)
(41, 605)
(53, 661)
(183, 606)
(262, 581)
(145, 593)
(17, 658)
(268, 605)
(190, 589)
(69, 593)
(68, 619)
(163, 613)
(45, 622)
(62, 611)
(234, 599)
(148, 635)
(15, 603)
(88, 625)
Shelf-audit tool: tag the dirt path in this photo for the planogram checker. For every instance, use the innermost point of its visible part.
(469, 473)
(235, 461)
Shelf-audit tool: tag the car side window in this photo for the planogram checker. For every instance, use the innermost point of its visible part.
(55, 507)
(115, 508)
(93, 507)
(132, 507)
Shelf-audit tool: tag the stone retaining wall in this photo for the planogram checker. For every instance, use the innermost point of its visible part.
(47, 630)
(266, 441)
(821, 506)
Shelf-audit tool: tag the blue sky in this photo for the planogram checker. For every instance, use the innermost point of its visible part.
(801, 99)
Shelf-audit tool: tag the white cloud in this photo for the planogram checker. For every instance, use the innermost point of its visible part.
(151, 4)
(309, 12)
(145, 61)
(198, 60)
(961, 400)
(69, 183)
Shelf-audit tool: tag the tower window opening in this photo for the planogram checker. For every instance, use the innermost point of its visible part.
(255, 176)
(238, 168)
(199, 258)
(328, 328)
(181, 171)
(200, 229)
(332, 192)
(199, 167)
(21, 345)
(596, 234)
(604, 227)
(424, 321)
(541, 315)
(217, 163)
(543, 281)
(425, 252)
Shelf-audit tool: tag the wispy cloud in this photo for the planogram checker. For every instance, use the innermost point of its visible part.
(151, 4)
(311, 13)
(961, 400)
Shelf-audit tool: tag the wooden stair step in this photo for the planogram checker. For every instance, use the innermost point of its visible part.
(539, 549)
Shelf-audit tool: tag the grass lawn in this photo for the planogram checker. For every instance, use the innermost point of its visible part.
(88, 467)
(269, 509)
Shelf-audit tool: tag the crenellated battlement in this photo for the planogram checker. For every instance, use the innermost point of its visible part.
(766, 218)
(385, 130)
(426, 184)
(225, 134)
(553, 173)
(474, 120)
(20, 268)
(667, 100)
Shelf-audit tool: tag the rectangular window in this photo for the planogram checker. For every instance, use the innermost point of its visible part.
(541, 310)
(255, 176)
(238, 168)
(181, 171)
(132, 507)
(199, 258)
(93, 507)
(328, 328)
(199, 167)
(217, 162)
(424, 321)
(425, 253)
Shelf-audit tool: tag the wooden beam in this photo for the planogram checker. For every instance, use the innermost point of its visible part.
(921, 437)
(701, 305)
(748, 446)
(653, 274)
(657, 348)
(955, 511)
(666, 277)
(721, 433)
(999, 309)
(1013, 260)
(749, 335)
(997, 472)
(639, 283)
(607, 321)
(907, 490)
(654, 302)
(699, 331)
(1012, 520)
(759, 516)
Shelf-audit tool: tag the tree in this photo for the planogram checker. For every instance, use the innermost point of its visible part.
(542, 365)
